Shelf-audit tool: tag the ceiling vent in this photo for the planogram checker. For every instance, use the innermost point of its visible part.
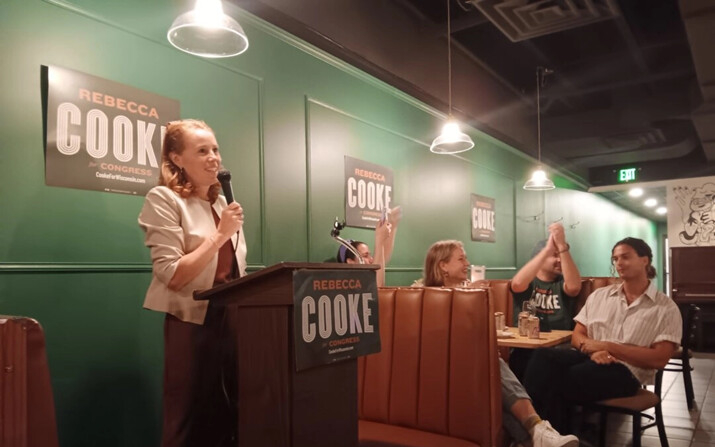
(643, 138)
(524, 19)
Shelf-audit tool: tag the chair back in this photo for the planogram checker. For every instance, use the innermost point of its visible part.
(690, 323)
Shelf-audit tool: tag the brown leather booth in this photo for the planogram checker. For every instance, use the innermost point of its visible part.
(436, 382)
(503, 301)
(27, 408)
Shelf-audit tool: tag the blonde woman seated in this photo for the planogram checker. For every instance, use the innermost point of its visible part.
(446, 265)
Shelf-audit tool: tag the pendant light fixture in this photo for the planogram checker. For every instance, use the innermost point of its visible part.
(207, 32)
(452, 140)
(539, 181)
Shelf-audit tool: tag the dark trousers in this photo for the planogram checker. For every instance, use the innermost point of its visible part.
(199, 383)
(556, 379)
(518, 361)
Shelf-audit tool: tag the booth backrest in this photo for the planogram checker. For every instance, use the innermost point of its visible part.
(586, 289)
(27, 407)
(438, 369)
(500, 294)
(500, 291)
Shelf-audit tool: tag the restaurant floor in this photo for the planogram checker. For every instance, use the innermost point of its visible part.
(695, 428)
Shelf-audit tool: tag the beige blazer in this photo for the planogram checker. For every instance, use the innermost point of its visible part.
(175, 226)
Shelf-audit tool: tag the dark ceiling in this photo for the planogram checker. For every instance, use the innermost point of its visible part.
(633, 81)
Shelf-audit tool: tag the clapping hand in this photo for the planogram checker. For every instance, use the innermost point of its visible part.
(558, 236)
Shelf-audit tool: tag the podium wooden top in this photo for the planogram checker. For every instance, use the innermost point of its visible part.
(268, 274)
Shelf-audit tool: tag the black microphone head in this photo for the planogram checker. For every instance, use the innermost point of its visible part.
(224, 175)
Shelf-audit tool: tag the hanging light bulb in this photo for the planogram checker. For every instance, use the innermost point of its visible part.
(539, 181)
(452, 140)
(207, 32)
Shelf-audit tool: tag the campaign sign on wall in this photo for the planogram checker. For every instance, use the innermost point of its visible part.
(335, 316)
(691, 212)
(102, 135)
(482, 222)
(368, 191)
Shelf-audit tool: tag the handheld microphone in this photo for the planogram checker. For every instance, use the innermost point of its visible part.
(224, 177)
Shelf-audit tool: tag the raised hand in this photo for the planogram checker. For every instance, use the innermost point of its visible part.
(382, 231)
(558, 235)
(394, 216)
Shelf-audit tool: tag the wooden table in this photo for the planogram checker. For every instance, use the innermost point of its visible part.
(545, 340)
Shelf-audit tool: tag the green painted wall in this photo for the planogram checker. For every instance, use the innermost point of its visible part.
(285, 116)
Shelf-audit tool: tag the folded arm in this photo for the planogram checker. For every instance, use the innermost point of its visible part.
(655, 356)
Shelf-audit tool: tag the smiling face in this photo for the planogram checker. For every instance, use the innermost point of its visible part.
(199, 159)
(456, 268)
(628, 264)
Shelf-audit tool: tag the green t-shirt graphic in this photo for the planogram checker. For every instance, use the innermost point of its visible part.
(552, 303)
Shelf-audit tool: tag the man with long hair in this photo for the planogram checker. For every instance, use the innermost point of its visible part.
(623, 334)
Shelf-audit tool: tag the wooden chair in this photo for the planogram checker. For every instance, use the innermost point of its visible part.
(680, 361)
(634, 406)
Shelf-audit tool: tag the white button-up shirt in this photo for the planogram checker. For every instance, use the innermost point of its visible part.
(651, 318)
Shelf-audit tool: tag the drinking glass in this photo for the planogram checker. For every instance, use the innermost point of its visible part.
(528, 306)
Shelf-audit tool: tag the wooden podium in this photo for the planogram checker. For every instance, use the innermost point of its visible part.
(278, 406)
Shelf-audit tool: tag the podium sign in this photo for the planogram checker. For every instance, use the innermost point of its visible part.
(335, 316)
(279, 405)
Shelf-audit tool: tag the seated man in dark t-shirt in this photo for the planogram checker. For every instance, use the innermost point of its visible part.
(551, 281)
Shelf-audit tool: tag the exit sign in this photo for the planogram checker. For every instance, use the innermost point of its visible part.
(626, 175)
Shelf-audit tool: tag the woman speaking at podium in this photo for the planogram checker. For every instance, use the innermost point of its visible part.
(196, 241)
